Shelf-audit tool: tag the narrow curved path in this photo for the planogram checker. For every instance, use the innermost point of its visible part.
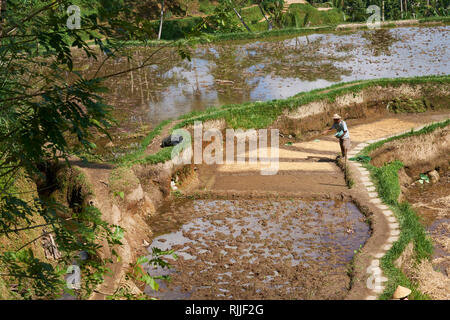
(308, 169)
(304, 167)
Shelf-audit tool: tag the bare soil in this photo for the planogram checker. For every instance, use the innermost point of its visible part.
(307, 168)
(432, 202)
(259, 249)
(423, 154)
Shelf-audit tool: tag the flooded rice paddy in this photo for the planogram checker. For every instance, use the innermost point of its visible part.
(258, 249)
(236, 72)
(241, 71)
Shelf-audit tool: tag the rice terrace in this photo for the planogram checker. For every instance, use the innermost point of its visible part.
(224, 150)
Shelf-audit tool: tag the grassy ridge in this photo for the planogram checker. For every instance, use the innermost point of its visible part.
(256, 115)
(133, 157)
(242, 36)
(435, 19)
(388, 187)
(300, 15)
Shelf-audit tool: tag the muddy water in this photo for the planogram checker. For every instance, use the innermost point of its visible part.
(234, 72)
(248, 249)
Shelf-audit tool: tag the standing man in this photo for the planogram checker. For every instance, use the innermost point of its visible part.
(342, 134)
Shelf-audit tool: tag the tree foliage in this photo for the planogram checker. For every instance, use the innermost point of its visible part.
(396, 9)
(48, 110)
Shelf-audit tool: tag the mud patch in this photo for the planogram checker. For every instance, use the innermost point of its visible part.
(250, 249)
(432, 201)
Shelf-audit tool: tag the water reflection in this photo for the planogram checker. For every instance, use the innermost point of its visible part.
(379, 41)
(248, 240)
(232, 72)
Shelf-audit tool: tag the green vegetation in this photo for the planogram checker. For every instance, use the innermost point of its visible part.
(177, 28)
(261, 114)
(206, 6)
(407, 105)
(159, 157)
(267, 34)
(298, 15)
(257, 115)
(221, 18)
(435, 19)
(49, 111)
(132, 157)
(138, 274)
(301, 15)
(394, 10)
(388, 187)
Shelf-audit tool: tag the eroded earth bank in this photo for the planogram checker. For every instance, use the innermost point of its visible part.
(299, 234)
(424, 183)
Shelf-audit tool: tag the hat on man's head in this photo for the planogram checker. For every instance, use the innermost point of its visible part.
(336, 116)
(401, 292)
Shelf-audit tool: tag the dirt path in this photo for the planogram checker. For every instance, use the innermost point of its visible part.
(304, 167)
(154, 146)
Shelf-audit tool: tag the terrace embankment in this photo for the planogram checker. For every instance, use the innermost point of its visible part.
(224, 196)
(424, 183)
(307, 158)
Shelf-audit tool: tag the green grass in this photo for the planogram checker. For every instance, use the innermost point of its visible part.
(257, 115)
(294, 19)
(268, 34)
(131, 158)
(159, 157)
(252, 16)
(445, 19)
(176, 28)
(387, 183)
(254, 115)
(300, 15)
(206, 7)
